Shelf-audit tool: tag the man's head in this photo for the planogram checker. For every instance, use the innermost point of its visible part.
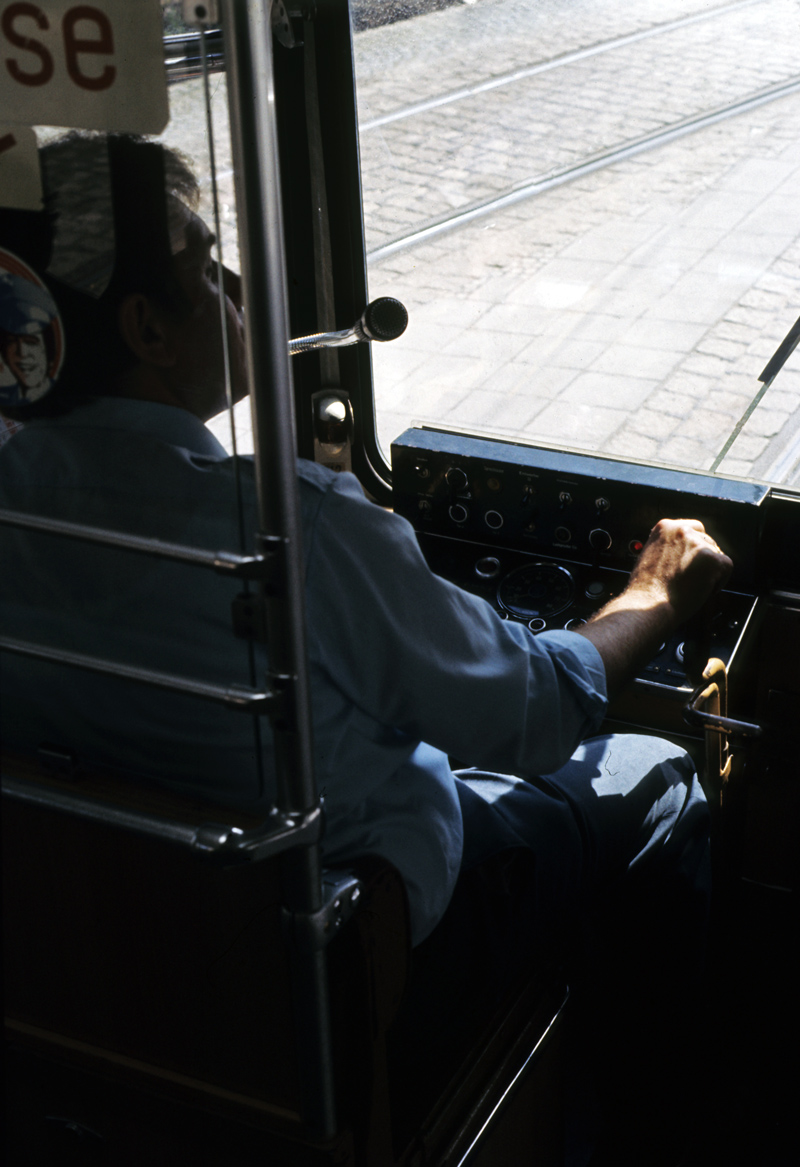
(29, 352)
(178, 338)
(26, 357)
(132, 273)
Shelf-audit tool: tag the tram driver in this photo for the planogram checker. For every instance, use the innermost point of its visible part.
(553, 840)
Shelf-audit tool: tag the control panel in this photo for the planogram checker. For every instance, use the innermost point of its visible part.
(549, 537)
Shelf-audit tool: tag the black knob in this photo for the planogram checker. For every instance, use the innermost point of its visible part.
(487, 568)
(384, 319)
(456, 478)
(599, 539)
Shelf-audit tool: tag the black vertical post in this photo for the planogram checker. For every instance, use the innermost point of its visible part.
(248, 50)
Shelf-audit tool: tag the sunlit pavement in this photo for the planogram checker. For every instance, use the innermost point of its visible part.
(630, 310)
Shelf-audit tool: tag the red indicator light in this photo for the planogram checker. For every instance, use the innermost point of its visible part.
(635, 546)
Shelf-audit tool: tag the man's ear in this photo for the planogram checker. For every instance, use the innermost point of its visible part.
(145, 331)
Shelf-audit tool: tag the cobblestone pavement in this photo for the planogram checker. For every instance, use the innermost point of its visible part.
(629, 311)
(422, 167)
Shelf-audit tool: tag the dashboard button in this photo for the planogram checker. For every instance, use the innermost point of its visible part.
(487, 568)
(599, 539)
(456, 478)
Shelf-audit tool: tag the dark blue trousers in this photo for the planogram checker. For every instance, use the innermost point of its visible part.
(603, 867)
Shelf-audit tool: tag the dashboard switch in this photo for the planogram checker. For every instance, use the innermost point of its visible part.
(488, 567)
(456, 478)
(599, 539)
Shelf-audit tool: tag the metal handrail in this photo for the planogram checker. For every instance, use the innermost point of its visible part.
(222, 562)
(225, 842)
(234, 696)
(254, 140)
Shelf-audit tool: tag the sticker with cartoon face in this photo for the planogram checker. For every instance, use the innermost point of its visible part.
(31, 334)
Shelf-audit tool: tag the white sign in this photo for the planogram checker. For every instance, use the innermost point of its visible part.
(20, 176)
(96, 66)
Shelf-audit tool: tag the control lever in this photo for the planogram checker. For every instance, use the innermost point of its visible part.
(383, 319)
(712, 693)
(713, 689)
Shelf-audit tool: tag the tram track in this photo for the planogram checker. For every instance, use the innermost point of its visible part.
(474, 150)
(540, 184)
(560, 61)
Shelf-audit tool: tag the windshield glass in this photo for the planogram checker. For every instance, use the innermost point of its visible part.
(590, 210)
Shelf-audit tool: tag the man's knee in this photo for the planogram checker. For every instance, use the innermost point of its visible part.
(637, 800)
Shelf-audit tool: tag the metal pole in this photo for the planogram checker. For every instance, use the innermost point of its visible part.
(255, 151)
(248, 47)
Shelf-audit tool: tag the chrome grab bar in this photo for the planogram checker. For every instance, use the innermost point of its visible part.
(223, 842)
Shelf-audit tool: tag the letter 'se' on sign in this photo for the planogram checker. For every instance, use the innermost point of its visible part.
(95, 66)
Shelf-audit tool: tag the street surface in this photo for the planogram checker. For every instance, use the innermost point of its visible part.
(627, 311)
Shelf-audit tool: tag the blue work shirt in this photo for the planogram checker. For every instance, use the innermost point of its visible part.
(405, 668)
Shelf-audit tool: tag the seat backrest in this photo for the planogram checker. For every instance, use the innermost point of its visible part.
(148, 999)
(132, 956)
(94, 914)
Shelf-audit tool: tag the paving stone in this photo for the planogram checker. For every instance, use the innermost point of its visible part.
(488, 345)
(666, 400)
(652, 424)
(561, 420)
(648, 362)
(737, 467)
(683, 451)
(748, 447)
(705, 364)
(547, 381)
(666, 335)
(629, 444)
(766, 422)
(612, 390)
(497, 411)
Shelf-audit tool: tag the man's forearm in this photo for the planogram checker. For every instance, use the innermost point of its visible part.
(628, 632)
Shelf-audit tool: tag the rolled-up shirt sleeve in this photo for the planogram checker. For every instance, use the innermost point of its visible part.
(417, 653)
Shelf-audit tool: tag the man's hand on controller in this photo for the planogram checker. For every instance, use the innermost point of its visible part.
(681, 565)
(678, 569)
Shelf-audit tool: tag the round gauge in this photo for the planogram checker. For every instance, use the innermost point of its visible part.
(537, 589)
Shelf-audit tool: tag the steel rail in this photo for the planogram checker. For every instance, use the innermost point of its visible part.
(540, 185)
(254, 139)
(545, 66)
(276, 834)
(223, 562)
(233, 696)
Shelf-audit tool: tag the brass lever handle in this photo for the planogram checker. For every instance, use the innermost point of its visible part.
(713, 688)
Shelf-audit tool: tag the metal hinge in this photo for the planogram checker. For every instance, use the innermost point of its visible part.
(282, 12)
(312, 931)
